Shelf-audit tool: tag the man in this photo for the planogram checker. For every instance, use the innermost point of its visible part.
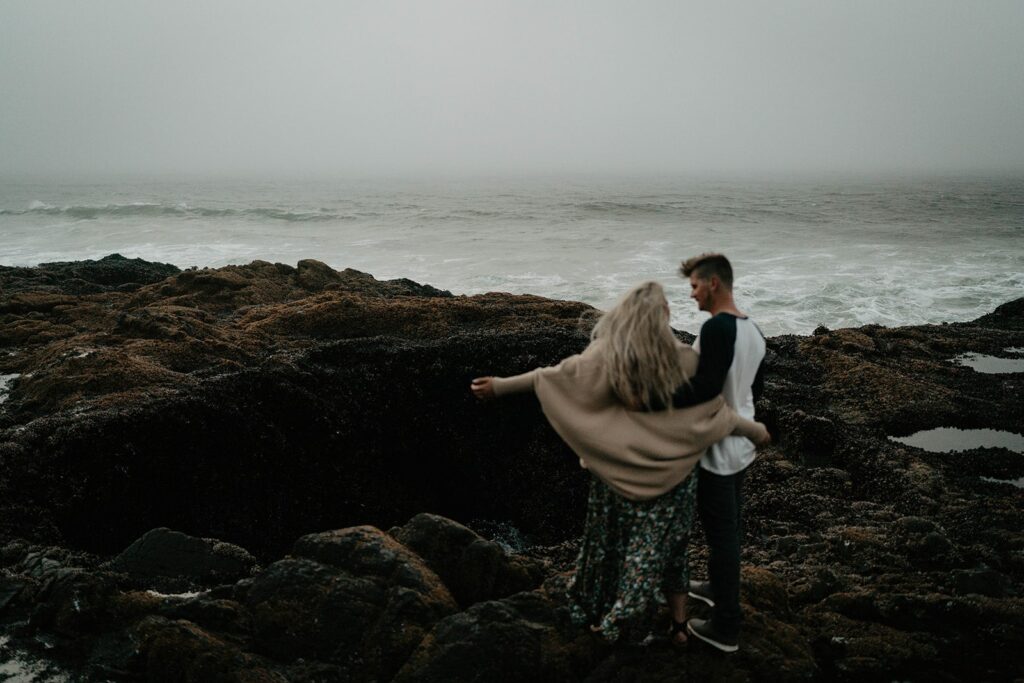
(732, 351)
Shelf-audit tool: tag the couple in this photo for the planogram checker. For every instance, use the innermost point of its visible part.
(640, 409)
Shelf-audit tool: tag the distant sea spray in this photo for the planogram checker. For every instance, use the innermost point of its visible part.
(838, 253)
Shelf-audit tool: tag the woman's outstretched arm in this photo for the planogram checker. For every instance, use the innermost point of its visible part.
(487, 388)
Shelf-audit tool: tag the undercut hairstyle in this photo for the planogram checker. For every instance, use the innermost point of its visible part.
(707, 265)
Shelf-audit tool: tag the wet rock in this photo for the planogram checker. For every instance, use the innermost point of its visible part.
(848, 649)
(764, 591)
(526, 636)
(812, 438)
(132, 399)
(814, 586)
(178, 651)
(110, 273)
(363, 604)
(979, 581)
(933, 548)
(163, 552)
(473, 568)
(217, 616)
(915, 525)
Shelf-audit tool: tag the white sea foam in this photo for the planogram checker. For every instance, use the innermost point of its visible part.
(181, 596)
(805, 255)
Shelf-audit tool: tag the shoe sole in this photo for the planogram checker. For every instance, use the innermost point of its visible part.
(713, 643)
(706, 600)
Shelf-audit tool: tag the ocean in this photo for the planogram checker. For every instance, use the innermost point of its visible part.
(824, 251)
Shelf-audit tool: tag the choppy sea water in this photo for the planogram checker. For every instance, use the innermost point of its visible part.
(834, 252)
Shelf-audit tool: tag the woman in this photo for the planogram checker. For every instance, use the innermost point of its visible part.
(641, 502)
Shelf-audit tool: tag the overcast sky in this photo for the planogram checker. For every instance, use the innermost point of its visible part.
(349, 86)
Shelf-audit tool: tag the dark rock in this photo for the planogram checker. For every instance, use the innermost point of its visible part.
(217, 616)
(932, 546)
(265, 398)
(812, 438)
(763, 590)
(363, 604)
(110, 273)
(163, 552)
(980, 582)
(368, 551)
(12, 588)
(179, 651)
(523, 637)
(915, 525)
(473, 568)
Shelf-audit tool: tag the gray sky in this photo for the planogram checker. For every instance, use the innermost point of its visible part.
(103, 87)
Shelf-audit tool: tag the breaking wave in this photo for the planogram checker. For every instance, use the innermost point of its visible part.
(143, 209)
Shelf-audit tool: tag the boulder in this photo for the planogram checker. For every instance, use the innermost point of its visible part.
(525, 637)
(354, 598)
(163, 552)
(473, 568)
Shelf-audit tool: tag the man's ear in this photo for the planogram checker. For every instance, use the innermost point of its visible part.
(713, 283)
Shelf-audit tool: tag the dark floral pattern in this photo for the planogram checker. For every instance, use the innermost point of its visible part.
(630, 553)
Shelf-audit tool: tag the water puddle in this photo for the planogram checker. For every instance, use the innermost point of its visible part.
(511, 539)
(948, 439)
(990, 365)
(5, 386)
(20, 667)
(1019, 483)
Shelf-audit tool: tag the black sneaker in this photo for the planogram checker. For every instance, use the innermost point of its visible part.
(706, 632)
(701, 590)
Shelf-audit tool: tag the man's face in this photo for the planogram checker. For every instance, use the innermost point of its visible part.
(700, 291)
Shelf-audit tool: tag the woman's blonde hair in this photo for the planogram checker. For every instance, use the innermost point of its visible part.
(640, 355)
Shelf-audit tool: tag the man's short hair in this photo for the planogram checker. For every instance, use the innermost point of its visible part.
(707, 265)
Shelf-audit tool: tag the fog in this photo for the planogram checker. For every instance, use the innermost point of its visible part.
(106, 87)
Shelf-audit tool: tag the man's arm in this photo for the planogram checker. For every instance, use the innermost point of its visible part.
(717, 346)
(757, 388)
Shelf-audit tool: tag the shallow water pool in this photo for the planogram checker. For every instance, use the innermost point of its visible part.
(990, 365)
(948, 439)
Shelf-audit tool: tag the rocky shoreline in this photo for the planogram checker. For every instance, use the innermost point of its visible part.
(225, 474)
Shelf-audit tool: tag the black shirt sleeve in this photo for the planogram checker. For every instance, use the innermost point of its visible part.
(717, 347)
(757, 388)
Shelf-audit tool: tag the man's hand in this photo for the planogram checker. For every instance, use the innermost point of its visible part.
(763, 438)
(483, 388)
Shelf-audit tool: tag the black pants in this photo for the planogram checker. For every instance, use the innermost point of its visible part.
(719, 499)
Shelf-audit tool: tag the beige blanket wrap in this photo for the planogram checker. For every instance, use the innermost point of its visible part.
(639, 455)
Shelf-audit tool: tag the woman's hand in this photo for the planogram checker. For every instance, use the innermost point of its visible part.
(483, 388)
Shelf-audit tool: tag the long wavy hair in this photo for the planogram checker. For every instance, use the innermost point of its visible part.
(640, 353)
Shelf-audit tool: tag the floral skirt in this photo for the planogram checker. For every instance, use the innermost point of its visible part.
(630, 553)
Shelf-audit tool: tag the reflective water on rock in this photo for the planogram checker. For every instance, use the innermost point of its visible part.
(5, 385)
(20, 667)
(1019, 483)
(948, 439)
(993, 365)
